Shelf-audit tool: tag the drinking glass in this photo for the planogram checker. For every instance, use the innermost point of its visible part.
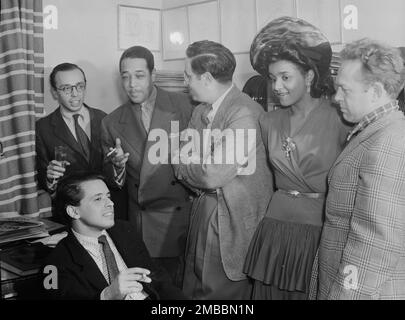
(61, 155)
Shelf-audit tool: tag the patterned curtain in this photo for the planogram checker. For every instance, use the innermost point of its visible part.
(21, 102)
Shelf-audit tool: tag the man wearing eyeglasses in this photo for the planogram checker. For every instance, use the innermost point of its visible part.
(74, 125)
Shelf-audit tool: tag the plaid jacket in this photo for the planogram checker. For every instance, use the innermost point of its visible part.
(362, 248)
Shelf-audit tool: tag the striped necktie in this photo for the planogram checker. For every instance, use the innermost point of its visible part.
(82, 137)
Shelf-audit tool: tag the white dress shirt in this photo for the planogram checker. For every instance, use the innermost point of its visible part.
(84, 121)
(94, 248)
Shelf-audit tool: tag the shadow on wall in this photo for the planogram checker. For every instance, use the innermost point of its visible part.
(102, 90)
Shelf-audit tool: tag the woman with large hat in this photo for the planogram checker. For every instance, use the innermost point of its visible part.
(303, 139)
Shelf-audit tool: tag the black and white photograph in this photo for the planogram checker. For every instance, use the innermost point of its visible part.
(202, 156)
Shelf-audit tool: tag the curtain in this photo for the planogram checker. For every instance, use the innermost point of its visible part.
(21, 102)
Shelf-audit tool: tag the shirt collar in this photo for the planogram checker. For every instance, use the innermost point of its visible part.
(150, 102)
(372, 117)
(89, 243)
(68, 115)
(217, 104)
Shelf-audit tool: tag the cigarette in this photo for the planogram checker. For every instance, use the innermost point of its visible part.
(144, 276)
(111, 152)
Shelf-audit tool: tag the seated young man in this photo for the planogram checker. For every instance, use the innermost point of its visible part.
(101, 258)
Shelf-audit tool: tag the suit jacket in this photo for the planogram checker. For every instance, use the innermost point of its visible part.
(158, 205)
(242, 199)
(80, 278)
(52, 131)
(362, 248)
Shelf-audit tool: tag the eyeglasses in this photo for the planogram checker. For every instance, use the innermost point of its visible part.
(80, 87)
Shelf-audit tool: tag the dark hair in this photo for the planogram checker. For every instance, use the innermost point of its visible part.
(256, 88)
(322, 84)
(212, 57)
(140, 53)
(66, 66)
(69, 192)
(380, 63)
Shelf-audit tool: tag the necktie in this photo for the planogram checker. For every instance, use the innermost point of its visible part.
(82, 137)
(110, 262)
(204, 116)
(146, 116)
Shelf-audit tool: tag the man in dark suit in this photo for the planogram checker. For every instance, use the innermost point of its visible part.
(74, 125)
(230, 175)
(159, 206)
(100, 258)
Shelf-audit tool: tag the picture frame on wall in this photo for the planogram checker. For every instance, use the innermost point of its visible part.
(189, 23)
(138, 26)
(175, 32)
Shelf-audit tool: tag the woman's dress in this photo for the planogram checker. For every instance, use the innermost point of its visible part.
(283, 248)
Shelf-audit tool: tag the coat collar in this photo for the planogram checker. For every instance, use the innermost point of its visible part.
(132, 130)
(81, 257)
(227, 103)
(163, 102)
(371, 129)
(61, 130)
(131, 127)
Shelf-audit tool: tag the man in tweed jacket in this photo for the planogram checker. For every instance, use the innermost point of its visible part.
(362, 248)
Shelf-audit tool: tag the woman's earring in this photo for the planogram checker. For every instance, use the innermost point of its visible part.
(308, 87)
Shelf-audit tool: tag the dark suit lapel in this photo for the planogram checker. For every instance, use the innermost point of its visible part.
(95, 140)
(61, 130)
(81, 257)
(131, 128)
(128, 250)
(164, 112)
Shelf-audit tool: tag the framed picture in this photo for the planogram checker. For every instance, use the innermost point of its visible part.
(176, 36)
(138, 26)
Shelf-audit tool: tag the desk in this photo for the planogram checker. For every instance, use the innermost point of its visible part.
(23, 277)
(20, 287)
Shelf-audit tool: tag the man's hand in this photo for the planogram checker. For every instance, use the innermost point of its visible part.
(118, 157)
(55, 170)
(127, 282)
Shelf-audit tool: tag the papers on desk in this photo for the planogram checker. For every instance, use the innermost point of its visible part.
(21, 228)
(53, 240)
(18, 228)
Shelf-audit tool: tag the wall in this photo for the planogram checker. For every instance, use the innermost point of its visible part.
(243, 68)
(87, 35)
(242, 19)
